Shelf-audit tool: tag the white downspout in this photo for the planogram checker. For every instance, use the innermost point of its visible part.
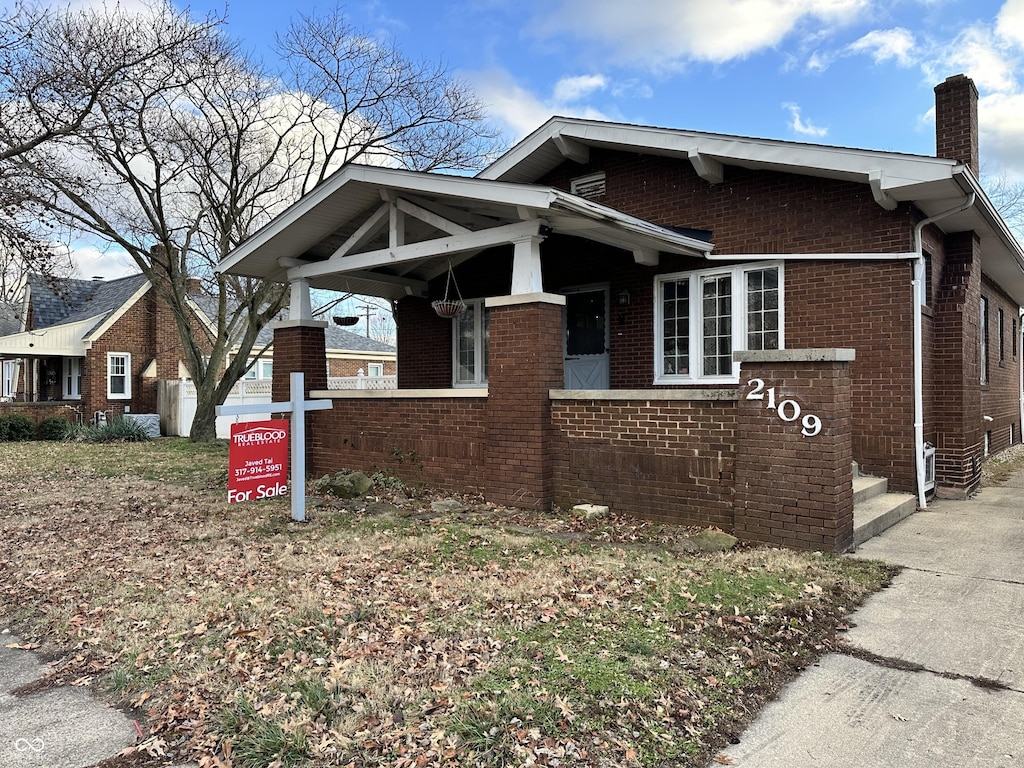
(918, 283)
(1020, 371)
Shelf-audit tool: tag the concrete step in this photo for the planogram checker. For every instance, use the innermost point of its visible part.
(865, 488)
(875, 514)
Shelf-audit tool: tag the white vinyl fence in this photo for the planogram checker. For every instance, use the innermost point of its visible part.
(176, 400)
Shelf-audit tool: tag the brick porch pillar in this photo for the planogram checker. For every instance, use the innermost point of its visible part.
(299, 345)
(957, 384)
(794, 449)
(526, 363)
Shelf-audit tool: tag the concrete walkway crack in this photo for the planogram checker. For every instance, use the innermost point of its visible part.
(892, 662)
(1012, 582)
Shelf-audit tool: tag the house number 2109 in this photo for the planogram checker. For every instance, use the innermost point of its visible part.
(787, 410)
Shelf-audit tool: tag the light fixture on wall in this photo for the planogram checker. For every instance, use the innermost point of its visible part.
(623, 298)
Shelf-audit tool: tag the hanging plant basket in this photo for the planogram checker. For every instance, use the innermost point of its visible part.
(448, 308)
(453, 306)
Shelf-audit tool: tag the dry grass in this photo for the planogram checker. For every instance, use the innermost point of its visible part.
(376, 634)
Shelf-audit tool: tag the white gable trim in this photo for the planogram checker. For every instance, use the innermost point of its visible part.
(116, 315)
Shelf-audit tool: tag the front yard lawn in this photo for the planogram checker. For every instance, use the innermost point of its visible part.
(382, 634)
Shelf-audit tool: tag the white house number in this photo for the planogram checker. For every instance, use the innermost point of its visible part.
(787, 410)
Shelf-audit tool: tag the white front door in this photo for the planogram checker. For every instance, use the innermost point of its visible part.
(586, 338)
(7, 379)
(72, 389)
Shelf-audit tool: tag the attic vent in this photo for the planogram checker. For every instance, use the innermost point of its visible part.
(591, 185)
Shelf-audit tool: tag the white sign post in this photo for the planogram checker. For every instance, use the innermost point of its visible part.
(298, 407)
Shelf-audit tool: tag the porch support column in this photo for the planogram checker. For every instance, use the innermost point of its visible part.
(526, 274)
(299, 345)
(301, 306)
(794, 449)
(525, 364)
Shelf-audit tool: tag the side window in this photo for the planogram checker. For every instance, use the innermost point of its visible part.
(471, 334)
(983, 356)
(119, 371)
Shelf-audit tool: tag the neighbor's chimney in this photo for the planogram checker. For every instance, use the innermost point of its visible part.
(956, 120)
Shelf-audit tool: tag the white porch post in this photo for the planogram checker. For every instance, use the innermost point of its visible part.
(301, 306)
(526, 273)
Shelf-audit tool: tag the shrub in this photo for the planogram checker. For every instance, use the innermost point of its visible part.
(17, 427)
(117, 430)
(53, 428)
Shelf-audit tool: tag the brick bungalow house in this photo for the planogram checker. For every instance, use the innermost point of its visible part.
(690, 327)
(92, 346)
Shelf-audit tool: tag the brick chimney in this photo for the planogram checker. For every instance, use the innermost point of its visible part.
(956, 120)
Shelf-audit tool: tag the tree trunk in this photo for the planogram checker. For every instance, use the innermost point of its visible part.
(204, 425)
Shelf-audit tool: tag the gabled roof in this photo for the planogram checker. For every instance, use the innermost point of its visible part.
(934, 185)
(65, 301)
(343, 235)
(68, 314)
(10, 317)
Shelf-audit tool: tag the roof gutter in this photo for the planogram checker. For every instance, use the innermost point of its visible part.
(918, 284)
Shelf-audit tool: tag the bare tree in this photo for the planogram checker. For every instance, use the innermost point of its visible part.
(1008, 198)
(199, 146)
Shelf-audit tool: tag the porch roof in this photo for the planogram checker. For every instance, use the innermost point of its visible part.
(65, 340)
(387, 232)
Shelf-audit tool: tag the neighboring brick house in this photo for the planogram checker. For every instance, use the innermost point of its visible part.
(690, 327)
(90, 347)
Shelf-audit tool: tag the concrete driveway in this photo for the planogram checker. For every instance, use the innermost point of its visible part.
(935, 677)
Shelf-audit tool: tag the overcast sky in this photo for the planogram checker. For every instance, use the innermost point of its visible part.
(856, 73)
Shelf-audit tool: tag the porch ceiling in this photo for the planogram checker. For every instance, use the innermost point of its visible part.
(387, 232)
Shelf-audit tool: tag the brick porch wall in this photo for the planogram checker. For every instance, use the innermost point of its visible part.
(795, 489)
(669, 460)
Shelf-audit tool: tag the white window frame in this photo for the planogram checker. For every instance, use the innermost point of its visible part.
(983, 342)
(126, 357)
(375, 369)
(479, 352)
(737, 274)
(71, 378)
(9, 374)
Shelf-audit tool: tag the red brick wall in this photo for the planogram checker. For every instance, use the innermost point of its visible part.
(138, 333)
(670, 461)
(440, 442)
(958, 409)
(425, 344)
(866, 306)
(795, 489)
(38, 411)
(999, 398)
(525, 364)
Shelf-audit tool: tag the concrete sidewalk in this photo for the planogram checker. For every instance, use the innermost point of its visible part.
(65, 726)
(937, 676)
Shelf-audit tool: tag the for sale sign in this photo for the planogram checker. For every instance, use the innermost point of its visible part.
(258, 460)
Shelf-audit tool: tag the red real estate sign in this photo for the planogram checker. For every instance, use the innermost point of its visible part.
(258, 460)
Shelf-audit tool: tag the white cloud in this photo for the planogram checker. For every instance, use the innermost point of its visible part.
(980, 54)
(801, 126)
(885, 44)
(108, 264)
(570, 89)
(520, 110)
(663, 34)
(1010, 22)
(1002, 134)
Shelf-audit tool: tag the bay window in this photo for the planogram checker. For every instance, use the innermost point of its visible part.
(702, 317)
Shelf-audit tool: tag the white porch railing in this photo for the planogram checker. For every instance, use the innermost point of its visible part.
(362, 382)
